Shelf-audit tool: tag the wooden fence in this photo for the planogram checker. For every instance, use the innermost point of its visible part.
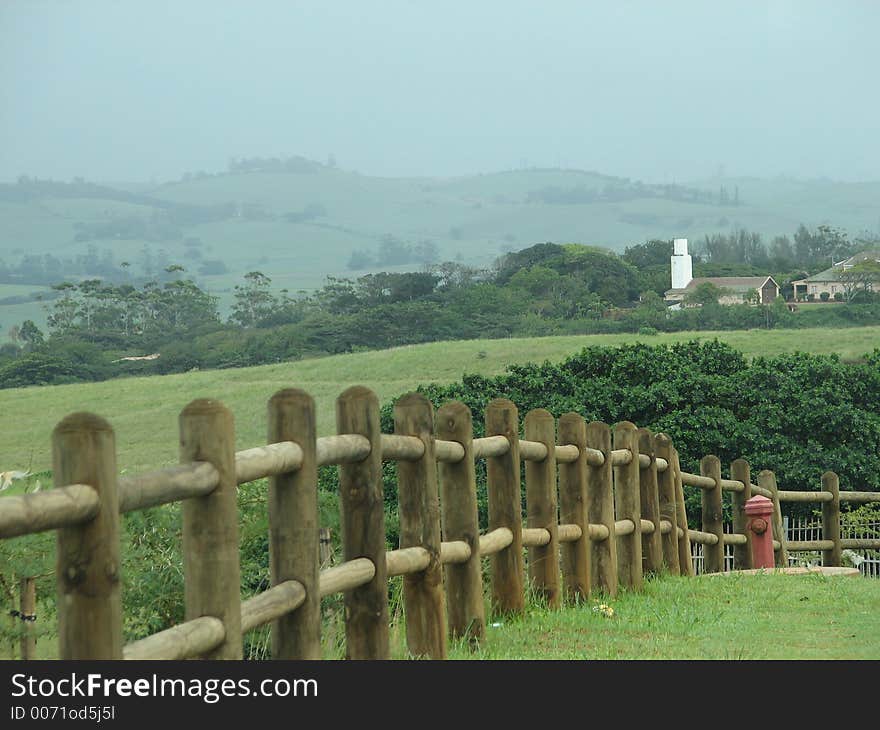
(604, 506)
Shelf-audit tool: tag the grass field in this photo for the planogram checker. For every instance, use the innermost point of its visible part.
(144, 411)
(734, 617)
(728, 618)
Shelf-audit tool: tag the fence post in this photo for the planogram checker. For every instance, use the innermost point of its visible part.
(211, 568)
(649, 491)
(600, 510)
(293, 525)
(505, 508)
(88, 562)
(419, 511)
(742, 554)
(573, 509)
(627, 503)
(767, 480)
(458, 486)
(541, 506)
(685, 559)
(713, 517)
(27, 609)
(363, 527)
(831, 519)
(667, 500)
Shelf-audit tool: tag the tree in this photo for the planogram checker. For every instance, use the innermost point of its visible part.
(703, 294)
(253, 301)
(859, 280)
(30, 334)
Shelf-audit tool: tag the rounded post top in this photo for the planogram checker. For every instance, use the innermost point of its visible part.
(413, 400)
(501, 404)
(294, 395)
(204, 406)
(82, 421)
(759, 506)
(539, 414)
(454, 409)
(357, 392)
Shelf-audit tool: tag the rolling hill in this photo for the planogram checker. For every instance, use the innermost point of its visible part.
(299, 223)
(144, 410)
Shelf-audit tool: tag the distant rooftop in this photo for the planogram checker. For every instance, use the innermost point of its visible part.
(738, 284)
(833, 274)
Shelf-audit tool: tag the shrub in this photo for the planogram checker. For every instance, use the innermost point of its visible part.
(796, 414)
(824, 296)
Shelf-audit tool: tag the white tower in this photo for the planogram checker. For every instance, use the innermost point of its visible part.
(682, 268)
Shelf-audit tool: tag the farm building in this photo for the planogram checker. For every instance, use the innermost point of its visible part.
(829, 280)
(737, 289)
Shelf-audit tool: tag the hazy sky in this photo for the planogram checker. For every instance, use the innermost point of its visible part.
(133, 90)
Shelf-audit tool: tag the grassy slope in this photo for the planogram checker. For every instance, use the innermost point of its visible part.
(144, 410)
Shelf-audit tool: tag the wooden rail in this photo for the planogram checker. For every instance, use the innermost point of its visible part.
(596, 517)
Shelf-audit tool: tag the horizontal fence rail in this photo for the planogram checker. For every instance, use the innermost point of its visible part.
(596, 517)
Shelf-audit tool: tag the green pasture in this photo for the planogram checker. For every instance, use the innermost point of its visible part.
(144, 410)
(731, 617)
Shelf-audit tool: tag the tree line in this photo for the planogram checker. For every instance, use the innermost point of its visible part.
(544, 289)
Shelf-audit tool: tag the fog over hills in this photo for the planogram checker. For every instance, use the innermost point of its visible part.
(306, 140)
(663, 92)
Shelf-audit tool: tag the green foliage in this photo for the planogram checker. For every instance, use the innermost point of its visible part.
(796, 414)
(704, 294)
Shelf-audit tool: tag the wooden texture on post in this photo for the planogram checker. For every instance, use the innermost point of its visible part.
(419, 510)
(831, 520)
(27, 609)
(742, 554)
(363, 527)
(541, 507)
(685, 561)
(713, 519)
(505, 508)
(600, 510)
(667, 500)
(88, 562)
(211, 568)
(767, 480)
(627, 506)
(465, 610)
(575, 555)
(649, 495)
(293, 525)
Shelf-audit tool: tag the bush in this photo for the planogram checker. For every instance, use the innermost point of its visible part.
(647, 330)
(838, 296)
(796, 414)
(824, 296)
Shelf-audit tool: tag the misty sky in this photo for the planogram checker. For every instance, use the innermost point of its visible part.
(673, 90)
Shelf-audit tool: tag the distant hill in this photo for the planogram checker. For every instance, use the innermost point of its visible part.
(298, 221)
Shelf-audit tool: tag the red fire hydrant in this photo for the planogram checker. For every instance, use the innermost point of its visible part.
(759, 509)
